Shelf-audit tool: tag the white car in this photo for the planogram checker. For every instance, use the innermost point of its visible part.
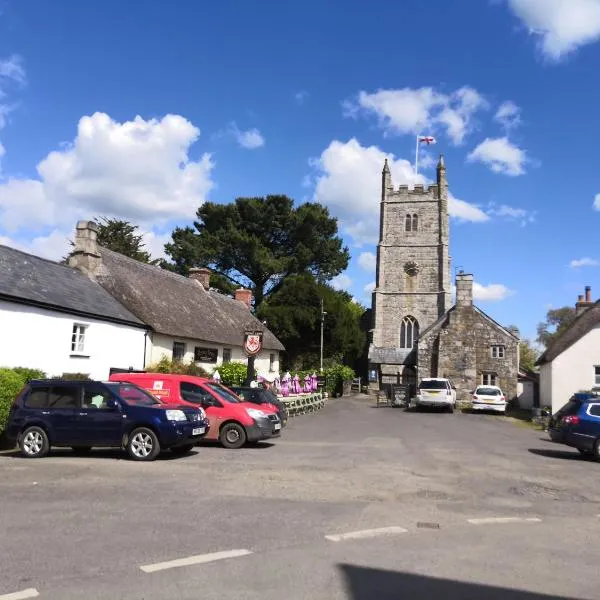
(489, 397)
(436, 392)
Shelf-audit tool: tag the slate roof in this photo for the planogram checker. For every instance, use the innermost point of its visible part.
(35, 281)
(578, 328)
(175, 305)
(392, 356)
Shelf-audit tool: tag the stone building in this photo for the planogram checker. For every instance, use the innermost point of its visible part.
(416, 333)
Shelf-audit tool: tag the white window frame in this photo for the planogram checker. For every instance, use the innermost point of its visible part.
(271, 363)
(78, 334)
(489, 379)
(230, 356)
(589, 410)
(182, 359)
(409, 332)
(596, 374)
(498, 351)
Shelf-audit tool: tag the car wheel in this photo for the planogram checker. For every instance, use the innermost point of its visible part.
(180, 450)
(596, 451)
(232, 436)
(34, 443)
(451, 408)
(143, 444)
(585, 451)
(81, 450)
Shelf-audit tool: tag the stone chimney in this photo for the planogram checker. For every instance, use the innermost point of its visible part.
(201, 275)
(583, 303)
(464, 289)
(244, 296)
(86, 254)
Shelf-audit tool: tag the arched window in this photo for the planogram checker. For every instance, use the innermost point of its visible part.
(408, 222)
(415, 222)
(409, 332)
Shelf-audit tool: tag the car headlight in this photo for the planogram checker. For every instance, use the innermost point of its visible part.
(175, 415)
(256, 414)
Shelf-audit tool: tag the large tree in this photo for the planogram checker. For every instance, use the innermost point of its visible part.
(557, 320)
(261, 242)
(527, 355)
(293, 313)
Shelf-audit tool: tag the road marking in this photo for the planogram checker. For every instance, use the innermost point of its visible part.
(367, 533)
(491, 520)
(193, 560)
(22, 595)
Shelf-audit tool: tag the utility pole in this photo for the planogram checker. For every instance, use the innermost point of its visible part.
(323, 313)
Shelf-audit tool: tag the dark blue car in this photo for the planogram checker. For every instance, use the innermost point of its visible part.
(86, 414)
(577, 424)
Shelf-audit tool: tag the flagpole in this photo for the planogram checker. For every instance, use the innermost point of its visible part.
(417, 158)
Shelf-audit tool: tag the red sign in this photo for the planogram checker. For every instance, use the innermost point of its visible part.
(252, 343)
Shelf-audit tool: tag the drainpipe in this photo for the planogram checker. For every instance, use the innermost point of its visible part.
(145, 340)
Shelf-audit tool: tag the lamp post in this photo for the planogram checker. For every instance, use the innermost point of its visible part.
(323, 313)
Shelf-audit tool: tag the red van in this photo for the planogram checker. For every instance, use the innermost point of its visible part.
(232, 421)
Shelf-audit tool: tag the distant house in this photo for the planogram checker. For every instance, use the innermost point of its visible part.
(56, 319)
(528, 389)
(186, 319)
(572, 361)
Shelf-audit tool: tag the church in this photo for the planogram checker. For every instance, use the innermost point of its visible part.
(416, 333)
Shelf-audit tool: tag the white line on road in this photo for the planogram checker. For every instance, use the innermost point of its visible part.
(200, 559)
(491, 520)
(367, 533)
(22, 595)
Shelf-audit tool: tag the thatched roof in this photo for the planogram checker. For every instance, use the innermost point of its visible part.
(175, 305)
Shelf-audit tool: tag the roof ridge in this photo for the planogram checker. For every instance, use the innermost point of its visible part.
(41, 258)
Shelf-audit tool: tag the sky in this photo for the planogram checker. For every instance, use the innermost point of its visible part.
(143, 110)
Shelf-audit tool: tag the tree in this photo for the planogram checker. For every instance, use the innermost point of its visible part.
(557, 320)
(122, 237)
(527, 355)
(293, 313)
(260, 242)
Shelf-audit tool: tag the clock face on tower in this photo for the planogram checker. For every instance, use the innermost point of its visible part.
(411, 268)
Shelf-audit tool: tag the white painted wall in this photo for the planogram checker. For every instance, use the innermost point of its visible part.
(162, 345)
(525, 394)
(571, 371)
(41, 339)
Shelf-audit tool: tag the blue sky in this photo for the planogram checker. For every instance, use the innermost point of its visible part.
(143, 110)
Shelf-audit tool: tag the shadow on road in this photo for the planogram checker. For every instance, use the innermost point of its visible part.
(364, 583)
(562, 454)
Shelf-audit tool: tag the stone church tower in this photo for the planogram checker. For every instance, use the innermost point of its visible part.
(413, 275)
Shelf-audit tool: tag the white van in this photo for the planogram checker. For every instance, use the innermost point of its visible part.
(436, 392)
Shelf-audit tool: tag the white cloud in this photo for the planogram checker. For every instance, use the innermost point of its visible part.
(407, 110)
(137, 170)
(490, 293)
(348, 180)
(501, 155)
(597, 202)
(11, 69)
(369, 287)
(367, 261)
(54, 246)
(341, 282)
(584, 262)
(512, 213)
(508, 115)
(249, 139)
(154, 243)
(562, 25)
(301, 97)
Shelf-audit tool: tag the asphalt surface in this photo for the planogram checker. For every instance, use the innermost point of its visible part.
(452, 506)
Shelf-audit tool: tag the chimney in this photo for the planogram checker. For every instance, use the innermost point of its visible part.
(583, 304)
(464, 289)
(86, 254)
(201, 275)
(244, 296)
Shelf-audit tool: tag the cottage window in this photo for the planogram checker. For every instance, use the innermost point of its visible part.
(178, 351)
(596, 375)
(415, 222)
(78, 338)
(226, 355)
(408, 223)
(409, 332)
(271, 362)
(489, 379)
(498, 351)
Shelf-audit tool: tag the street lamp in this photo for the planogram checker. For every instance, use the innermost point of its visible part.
(323, 313)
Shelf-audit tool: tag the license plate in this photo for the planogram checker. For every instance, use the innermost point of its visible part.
(198, 430)
(433, 393)
(277, 426)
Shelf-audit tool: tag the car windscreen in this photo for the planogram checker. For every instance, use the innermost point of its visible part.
(570, 408)
(132, 394)
(223, 393)
(488, 391)
(432, 384)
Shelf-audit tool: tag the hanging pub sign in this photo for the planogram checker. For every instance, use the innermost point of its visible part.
(253, 342)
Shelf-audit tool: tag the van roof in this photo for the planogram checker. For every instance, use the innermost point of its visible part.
(164, 376)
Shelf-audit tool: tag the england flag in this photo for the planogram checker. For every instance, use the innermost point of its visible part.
(427, 139)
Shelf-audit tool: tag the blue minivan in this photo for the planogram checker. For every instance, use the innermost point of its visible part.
(577, 424)
(86, 414)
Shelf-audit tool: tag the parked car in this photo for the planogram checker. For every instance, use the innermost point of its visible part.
(233, 422)
(489, 397)
(87, 414)
(577, 424)
(261, 396)
(436, 392)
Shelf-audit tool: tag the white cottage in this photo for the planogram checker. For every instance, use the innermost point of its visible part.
(56, 319)
(186, 319)
(572, 361)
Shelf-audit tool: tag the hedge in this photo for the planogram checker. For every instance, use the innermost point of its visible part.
(232, 373)
(11, 383)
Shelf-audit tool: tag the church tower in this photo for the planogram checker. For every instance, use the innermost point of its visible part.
(413, 274)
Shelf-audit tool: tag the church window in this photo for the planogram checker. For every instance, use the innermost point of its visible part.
(415, 222)
(409, 332)
(408, 223)
(498, 351)
(489, 379)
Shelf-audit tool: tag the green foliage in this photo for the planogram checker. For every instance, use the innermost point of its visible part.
(527, 355)
(233, 373)
(11, 384)
(260, 242)
(73, 376)
(336, 375)
(28, 374)
(557, 320)
(122, 237)
(165, 365)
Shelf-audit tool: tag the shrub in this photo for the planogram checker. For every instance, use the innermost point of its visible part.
(336, 375)
(73, 376)
(233, 373)
(165, 365)
(11, 384)
(28, 374)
